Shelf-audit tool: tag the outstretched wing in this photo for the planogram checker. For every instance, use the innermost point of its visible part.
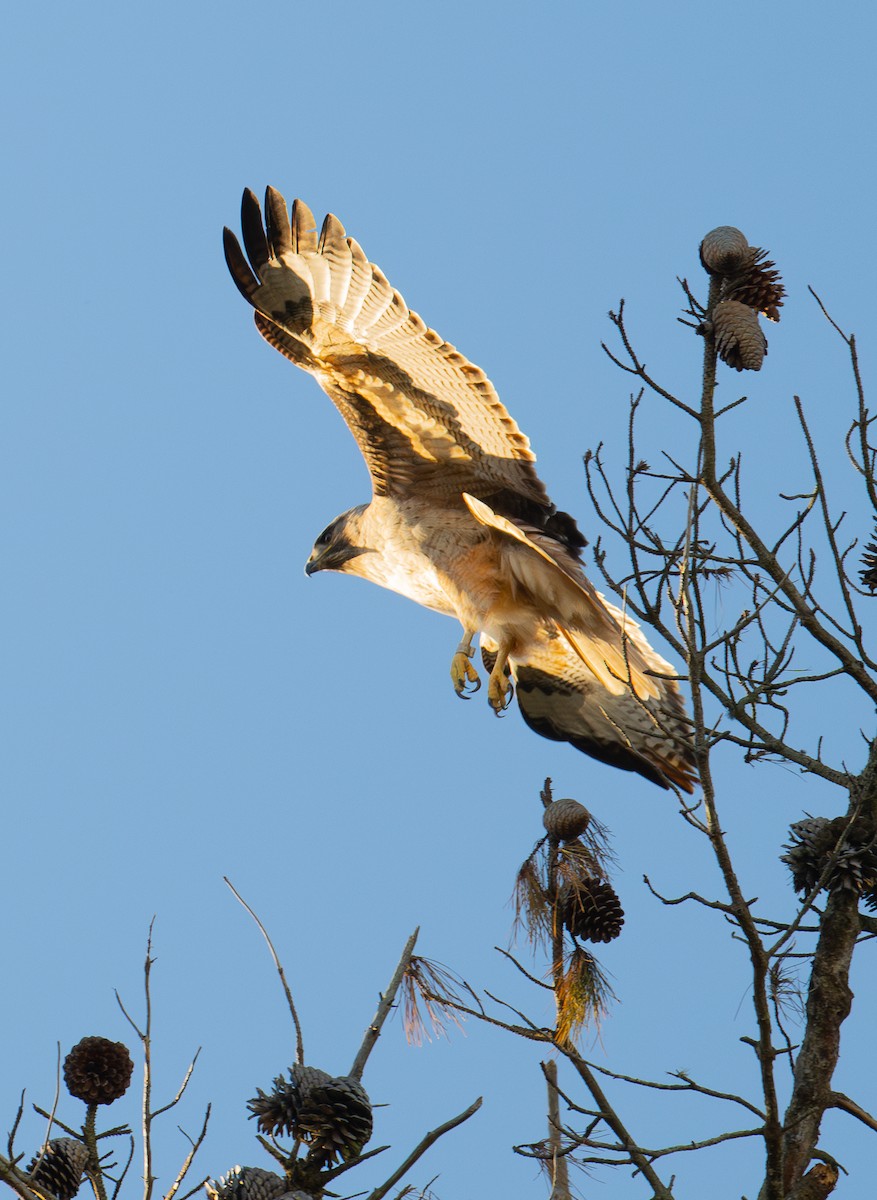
(425, 418)
(561, 699)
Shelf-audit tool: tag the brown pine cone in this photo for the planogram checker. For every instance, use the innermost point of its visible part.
(565, 819)
(332, 1114)
(61, 1169)
(812, 846)
(723, 250)
(246, 1183)
(757, 285)
(335, 1116)
(591, 910)
(97, 1070)
(739, 340)
(276, 1112)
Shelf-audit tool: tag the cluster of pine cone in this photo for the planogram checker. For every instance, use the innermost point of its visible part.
(332, 1114)
(813, 852)
(750, 284)
(588, 905)
(96, 1071)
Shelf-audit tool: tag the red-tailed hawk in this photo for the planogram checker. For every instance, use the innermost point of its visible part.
(459, 521)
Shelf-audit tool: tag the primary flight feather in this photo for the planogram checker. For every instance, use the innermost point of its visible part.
(459, 521)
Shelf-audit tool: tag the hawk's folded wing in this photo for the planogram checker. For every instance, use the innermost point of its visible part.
(560, 698)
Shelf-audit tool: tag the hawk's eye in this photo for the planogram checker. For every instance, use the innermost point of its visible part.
(325, 537)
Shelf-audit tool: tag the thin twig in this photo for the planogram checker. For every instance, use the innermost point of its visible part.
(51, 1115)
(299, 1040)
(687, 1084)
(16, 1179)
(527, 975)
(180, 1091)
(631, 1147)
(74, 1133)
(422, 1146)
(839, 1100)
(10, 1141)
(187, 1161)
(132, 1146)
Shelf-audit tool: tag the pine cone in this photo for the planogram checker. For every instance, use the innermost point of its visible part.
(97, 1070)
(565, 819)
(723, 251)
(739, 340)
(276, 1112)
(332, 1114)
(61, 1168)
(591, 910)
(868, 573)
(757, 285)
(335, 1117)
(812, 842)
(246, 1183)
(812, 846)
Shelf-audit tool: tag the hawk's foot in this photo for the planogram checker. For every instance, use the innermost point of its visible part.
(463, 674)
(500, 690)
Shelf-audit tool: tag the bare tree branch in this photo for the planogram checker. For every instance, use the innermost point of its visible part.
(385, 1006)
(422, 1146)
(299, 1040)
(558, 1164)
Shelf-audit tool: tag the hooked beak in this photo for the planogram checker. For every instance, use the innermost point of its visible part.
(331, 558)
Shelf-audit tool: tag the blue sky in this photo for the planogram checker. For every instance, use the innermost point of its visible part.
(180, 702)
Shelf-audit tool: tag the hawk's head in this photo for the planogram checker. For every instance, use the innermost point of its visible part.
(339, 545)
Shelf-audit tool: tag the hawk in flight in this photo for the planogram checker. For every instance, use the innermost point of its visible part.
(459, 521)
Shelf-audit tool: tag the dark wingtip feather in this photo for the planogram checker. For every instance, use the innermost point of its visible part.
(277, 222)
(255, 241)
(332, 234)
(240, 269)
(304, 228)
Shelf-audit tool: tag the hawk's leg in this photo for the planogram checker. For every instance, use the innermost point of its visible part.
(463, 674)
(500, 689)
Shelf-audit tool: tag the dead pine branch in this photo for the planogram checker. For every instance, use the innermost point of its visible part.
(385, 1006)
(422, 1146)
(557, 1164)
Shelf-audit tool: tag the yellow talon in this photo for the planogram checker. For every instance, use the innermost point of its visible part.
(464, 676)
(500, 691)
